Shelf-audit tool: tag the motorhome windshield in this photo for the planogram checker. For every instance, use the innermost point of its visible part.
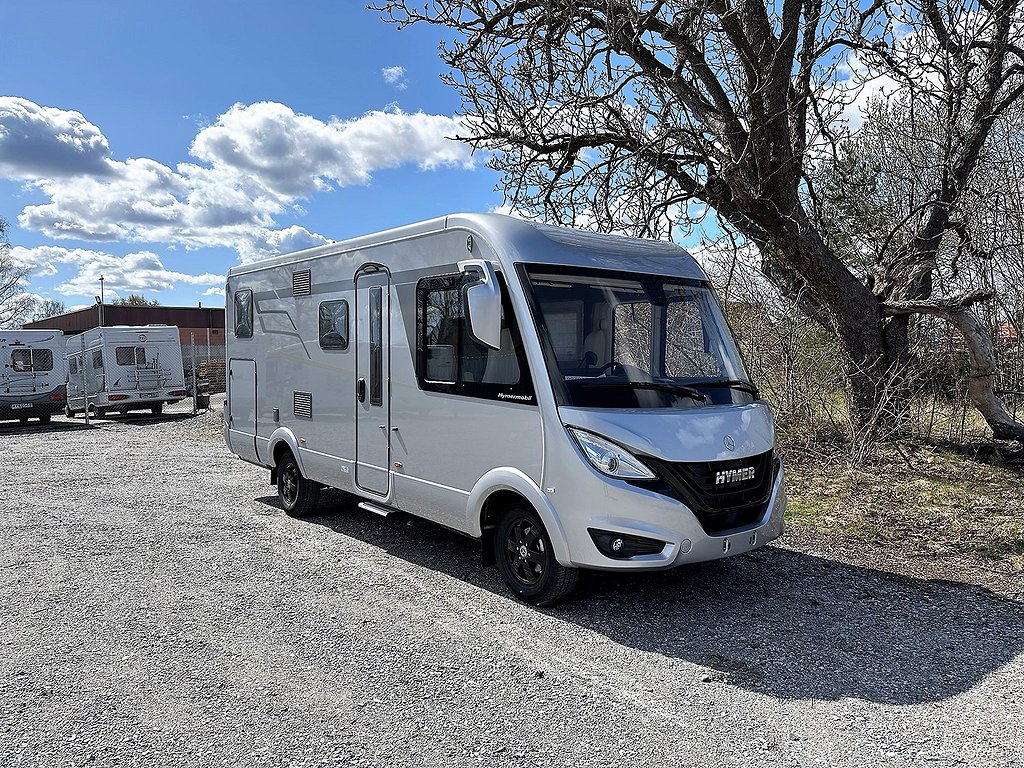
(622, 340)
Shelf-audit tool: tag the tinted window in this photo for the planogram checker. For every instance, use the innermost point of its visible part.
(450, 359)
(376, 347)
(21, 360)
(42, 360)
(73, 363)
(97, 359)
(124, 355)
(334, 325)
(243, 314)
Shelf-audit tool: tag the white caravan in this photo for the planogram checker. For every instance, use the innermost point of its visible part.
(125, 368)
(573, 400)
(32, 374)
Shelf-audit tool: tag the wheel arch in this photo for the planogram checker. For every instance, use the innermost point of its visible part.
(500, 487)
(283, 439)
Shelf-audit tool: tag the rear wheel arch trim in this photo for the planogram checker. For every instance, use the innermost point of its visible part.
(281, 439)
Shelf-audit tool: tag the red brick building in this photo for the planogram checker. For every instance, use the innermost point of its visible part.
(207, 323)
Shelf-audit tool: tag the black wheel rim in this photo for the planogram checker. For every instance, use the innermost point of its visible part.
(289, 484)
(525, 553)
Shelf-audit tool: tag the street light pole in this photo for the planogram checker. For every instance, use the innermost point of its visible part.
(101, 301)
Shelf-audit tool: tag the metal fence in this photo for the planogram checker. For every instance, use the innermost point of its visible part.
(205, 376)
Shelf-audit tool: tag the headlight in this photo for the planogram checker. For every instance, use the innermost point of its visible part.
(609, 458)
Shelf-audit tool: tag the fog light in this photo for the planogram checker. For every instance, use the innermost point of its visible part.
(621, 546)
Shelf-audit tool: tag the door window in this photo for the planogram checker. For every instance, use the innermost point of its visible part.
(376, 347)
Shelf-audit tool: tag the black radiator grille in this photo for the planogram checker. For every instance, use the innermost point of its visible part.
(718, 504)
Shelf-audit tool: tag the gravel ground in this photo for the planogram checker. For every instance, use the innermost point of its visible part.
(159, 609)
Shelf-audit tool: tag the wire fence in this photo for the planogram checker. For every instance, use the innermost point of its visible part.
(205, 377)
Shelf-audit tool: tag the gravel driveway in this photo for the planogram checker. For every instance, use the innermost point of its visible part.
(158, 609)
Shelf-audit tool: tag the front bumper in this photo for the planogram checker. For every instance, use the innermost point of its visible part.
(655, 516)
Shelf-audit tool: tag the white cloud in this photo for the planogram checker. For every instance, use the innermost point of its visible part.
(141, 272)
(255, 162)
(395, 77)
(40, 142)
(215, 291)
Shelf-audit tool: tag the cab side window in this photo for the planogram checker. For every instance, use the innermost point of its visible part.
(451, 360)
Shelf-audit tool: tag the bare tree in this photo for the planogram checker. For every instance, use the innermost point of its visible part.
(14, 302)
(136, 300)
(633, 115)
(46, 308)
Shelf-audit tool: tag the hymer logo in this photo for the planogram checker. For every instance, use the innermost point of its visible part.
(727, 476)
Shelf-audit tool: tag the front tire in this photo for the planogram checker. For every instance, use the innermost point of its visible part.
(526, 560)
(44, 419)
(299, 496)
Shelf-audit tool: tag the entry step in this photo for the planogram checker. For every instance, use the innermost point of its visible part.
(377, 510)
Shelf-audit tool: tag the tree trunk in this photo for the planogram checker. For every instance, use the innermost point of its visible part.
(983, 371)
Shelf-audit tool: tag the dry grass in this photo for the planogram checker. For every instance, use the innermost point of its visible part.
(919, 501)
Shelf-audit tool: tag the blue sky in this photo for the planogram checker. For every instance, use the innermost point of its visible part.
(159, 144)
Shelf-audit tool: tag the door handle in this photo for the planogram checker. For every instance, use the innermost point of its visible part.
(361, 390)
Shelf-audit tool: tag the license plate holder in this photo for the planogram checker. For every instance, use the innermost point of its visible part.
(16, 406)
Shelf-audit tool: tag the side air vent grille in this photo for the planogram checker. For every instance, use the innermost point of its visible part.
(302, 283)
(302, 405)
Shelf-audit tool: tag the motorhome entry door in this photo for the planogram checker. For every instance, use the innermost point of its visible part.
(372, 385)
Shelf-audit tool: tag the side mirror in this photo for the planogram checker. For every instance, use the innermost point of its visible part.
(483, 302)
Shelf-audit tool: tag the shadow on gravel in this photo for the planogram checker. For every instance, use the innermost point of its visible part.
(140, 419)
(36, 428)
(778, 622)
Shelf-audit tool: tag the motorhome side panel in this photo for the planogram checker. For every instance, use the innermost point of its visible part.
(443, 443)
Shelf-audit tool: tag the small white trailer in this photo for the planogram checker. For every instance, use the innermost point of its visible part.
(572, 400)
(32, 374)
(124, 368)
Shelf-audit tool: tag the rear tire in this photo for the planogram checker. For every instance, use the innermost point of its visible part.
(68, 412)
(157, 409)
(44, 419)
(526, 560)
(100, 413)
(299, 496)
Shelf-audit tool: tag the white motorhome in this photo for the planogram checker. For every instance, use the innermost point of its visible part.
(125, 368)
(32, 374)
(574, 400)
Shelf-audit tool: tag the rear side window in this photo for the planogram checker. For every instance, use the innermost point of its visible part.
(130, 355)
(21, 360)
(73, 364)
(243, 314)
(97, 359)
(334, 325)
(42, 360)
(26, 360)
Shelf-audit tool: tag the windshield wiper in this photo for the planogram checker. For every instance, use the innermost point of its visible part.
(746, 386)
(660, 386)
